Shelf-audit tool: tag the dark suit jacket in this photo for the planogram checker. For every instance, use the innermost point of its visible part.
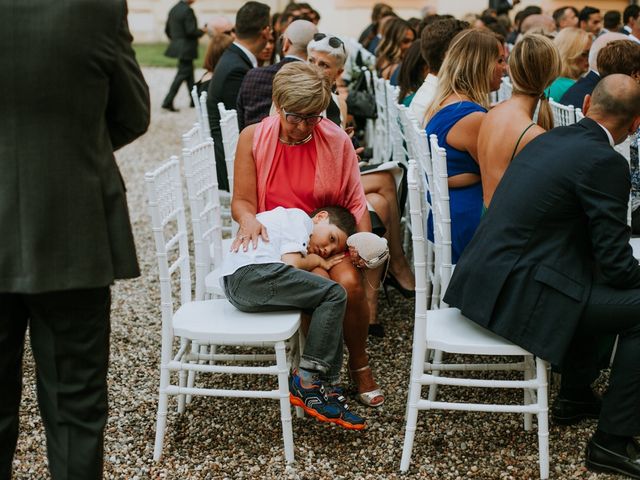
(500, 6)
(182, 29)
(583, 87)
(64, 222)
(254, 98)
(224, 87)
(557, 219)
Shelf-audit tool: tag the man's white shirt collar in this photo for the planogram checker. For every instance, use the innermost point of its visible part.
(248, 53)
(609, 136)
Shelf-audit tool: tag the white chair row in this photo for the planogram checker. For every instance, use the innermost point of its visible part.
(207, 322)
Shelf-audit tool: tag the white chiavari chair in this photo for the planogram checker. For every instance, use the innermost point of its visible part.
(207, 322)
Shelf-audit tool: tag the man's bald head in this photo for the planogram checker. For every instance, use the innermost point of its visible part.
(538, 23)
(615, 103)
(297, 36)
(600, 42)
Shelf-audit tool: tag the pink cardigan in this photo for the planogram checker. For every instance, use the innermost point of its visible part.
(337, 179)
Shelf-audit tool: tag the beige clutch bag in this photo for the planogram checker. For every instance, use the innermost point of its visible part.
(371, 248)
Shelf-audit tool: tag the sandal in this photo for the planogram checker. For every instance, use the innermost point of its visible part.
(367, 398)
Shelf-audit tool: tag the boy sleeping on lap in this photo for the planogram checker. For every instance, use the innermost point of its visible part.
(276, 275)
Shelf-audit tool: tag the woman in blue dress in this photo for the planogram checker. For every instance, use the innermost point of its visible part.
(473, 67)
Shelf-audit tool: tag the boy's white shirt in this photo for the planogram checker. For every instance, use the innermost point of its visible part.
(288, 229)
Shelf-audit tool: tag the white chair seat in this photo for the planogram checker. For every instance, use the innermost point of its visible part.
(218, 322)
(635, 245)
(226, 246)
(450, 331)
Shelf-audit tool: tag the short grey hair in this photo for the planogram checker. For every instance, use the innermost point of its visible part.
(339, 53)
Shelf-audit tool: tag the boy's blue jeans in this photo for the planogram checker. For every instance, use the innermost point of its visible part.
(277, 286)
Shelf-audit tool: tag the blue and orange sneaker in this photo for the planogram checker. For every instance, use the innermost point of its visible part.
(325, 408)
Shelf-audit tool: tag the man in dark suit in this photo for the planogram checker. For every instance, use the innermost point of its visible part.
(630, 18)
(253, 30)
(254, 98)
(182, 29)
(65, 224)
(551, 269)
(502, 7)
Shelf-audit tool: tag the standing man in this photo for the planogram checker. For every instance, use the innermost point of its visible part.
(63, 214)
(182, 29)
(551, 269)
(253, 30)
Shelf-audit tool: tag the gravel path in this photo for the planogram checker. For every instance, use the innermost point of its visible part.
(229, 438)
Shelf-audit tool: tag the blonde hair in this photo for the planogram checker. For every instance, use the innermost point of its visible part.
(468, 68)
(571, 42)
(534, 63)
(301, 88)
(389, 50)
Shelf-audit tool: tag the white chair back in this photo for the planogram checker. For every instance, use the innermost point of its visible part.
(397, 137)
(168, 221)
(204, 117)
(193, 137)
(579, 114)
(563, 115)
(230, 134)
(506, 89)
(204, 201)
(382, 145)
(441, 218)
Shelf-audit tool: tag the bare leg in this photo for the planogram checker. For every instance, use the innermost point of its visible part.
(382, 185)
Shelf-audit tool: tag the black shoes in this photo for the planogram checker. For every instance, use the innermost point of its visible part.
(376, 330)
(391, 281)
(601, 459)
(170, 108)
(570, 412)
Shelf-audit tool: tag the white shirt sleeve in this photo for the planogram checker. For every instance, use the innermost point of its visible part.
(296, 229)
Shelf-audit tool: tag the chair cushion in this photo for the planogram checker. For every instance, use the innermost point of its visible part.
(218, 322)
(450, 331)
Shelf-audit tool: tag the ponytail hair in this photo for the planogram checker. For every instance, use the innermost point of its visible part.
(534, 63)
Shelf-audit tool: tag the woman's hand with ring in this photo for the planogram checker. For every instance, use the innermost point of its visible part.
(250, 230)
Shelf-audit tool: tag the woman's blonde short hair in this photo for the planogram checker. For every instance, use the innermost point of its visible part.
(571, 43)
(301, 88)
(534, 63)
(468, 68)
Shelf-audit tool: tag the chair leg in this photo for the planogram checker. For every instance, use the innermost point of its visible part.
(161, 421)
(182, 382)
(543, 418)
(191, 377)
(528, 400)
(433, 388)
(285, 406)
(301, 342)
(410, 428)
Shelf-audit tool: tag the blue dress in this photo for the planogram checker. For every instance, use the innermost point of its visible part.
(465, 202)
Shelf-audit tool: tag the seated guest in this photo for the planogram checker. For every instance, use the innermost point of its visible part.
(328, 53)
(573, 45)
(386, 16)
(398, 37)
(541, 24)
(217, 45)
(253, 30)
(590, 20)
(412, 74)
(585, 85)
(434, 43)
(298, 159)
(297, 245)
(630, 17)
(612, 21)
(379, 10)
(265, 57)
(533, 64)
(473, 67)
(551, 269)
(254, 98)
(565, 17)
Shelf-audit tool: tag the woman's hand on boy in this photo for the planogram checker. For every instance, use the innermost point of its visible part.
(250, 230)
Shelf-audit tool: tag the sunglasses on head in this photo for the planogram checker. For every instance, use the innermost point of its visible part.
(334, 42)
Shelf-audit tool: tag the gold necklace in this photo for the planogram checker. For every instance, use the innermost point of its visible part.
(299, 142)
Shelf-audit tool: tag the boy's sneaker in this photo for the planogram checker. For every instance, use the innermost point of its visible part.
(326, 408)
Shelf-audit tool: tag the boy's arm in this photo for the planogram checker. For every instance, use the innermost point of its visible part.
(311, 261)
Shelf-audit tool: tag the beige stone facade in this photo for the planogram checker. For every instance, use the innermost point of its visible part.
(342, 17)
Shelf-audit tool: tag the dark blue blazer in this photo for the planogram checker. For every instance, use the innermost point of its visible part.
(558, 216)
(583, 87)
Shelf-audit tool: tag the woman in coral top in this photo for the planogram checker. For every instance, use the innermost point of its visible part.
(298, 159)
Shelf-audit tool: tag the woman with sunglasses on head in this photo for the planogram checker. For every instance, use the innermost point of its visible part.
(329, 53)
(473, 67)
(299, 159)
(574, 45)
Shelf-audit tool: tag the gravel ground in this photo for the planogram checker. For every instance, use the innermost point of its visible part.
(227, 438)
